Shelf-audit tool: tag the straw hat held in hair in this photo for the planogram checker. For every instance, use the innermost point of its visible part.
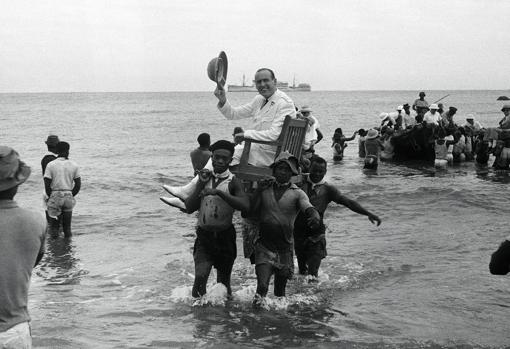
(13, 171)
(217, 69)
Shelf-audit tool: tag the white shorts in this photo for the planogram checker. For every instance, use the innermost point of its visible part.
(440, 163)
(16, 337)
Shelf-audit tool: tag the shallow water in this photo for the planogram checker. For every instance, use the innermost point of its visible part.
(420, 280)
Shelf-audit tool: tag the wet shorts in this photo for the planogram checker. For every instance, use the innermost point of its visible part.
(217, 248)
(60, 201)
(308, 247)
(16, 337)
(282, 261)
(371, 162)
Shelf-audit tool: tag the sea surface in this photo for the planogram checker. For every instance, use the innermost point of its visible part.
(420, 280)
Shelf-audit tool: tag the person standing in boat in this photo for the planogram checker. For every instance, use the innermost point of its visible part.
(447, 118)
(267, 112)
(409, 117)
(217, 194)
(432, 117)
(420, 105)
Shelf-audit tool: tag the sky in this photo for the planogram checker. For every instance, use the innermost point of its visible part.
(165, 45)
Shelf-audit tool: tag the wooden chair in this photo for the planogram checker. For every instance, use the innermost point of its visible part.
(291, 139)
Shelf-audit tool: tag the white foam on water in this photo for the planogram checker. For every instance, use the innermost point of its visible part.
(181, 294)
(215, 296)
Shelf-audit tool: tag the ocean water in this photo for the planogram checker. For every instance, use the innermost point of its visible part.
(420, 280)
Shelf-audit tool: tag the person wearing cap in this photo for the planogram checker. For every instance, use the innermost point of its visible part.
(505, 122)
(310, 245)
(22, 235)
(399, 119)
(51, 144)
(62, 182)
(267, 112)
(215, 197)
(373, 147)
(432, 117)
(472, 123)
(409, 118)
(201, 155)
(420, 105)
(278, 202)
(440, 108)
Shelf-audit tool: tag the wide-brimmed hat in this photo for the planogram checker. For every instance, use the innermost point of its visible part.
(470, 117)
(383, 115)
(372, 133)
(52, 140)
(289, 159)
(400, 107)
(506, 106)
(13, 171)
(217, 69)
(433, 106)
(305, 109)
(406, 106)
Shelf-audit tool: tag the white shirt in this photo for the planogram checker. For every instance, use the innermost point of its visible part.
(430, 118)
(311, 135)
(266, 124)
(409, 120)
(62, 173)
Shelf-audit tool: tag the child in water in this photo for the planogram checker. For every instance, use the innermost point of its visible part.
(441, 149)
(339, 144)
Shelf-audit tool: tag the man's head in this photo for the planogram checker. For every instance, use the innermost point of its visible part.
(506, 109)
(470, 119)
(433, 108)
(406, 108)
(305, 110)
(318, 169)
(204, 140)
(62, 149)
(265, 81)
(422, 95)
(13, 172)
(284, 167)
(452, 111)
(222, 152)
(51, 142)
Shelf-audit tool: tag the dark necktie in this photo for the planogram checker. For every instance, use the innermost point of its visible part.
(263, 104)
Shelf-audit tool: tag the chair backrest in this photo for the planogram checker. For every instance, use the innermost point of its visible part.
(292, 136)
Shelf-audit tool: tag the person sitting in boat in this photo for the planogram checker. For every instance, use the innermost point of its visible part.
(409, 117)
(217, 194)
(310, 245)
(447, 118)
(473, 124)
(387, 119)
(432, 117)
(420, 104)
(386, 139)
(267, 111)
(339, 144)
(373, 148)
(278, 201)
(399, 119)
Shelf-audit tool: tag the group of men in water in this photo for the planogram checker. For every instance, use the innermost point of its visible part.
(288, 215)
(440, 135)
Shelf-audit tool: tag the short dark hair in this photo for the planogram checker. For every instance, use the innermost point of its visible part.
(222, 144)
(204, 139)
(62, 147)
(269, 70)
(317, 159)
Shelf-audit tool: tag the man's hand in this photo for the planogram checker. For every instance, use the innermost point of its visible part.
(265, 183)
(374, 219)
(238, 138)
(204, 175)
(219, 92)
(314, 223)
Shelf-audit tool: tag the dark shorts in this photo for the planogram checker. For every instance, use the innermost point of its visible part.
(371, 162)
(309, 247)
(217, 248)
(282, 261)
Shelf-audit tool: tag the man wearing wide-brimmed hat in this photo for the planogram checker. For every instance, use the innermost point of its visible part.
(432, 117)
(22, 235)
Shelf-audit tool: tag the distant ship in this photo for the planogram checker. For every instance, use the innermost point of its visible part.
(282, 86)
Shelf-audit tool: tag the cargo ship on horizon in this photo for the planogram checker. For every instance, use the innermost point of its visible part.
(282, 86)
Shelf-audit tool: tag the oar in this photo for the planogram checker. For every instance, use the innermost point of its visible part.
(440, 99)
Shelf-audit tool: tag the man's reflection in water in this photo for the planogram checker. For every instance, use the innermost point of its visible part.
(60, 265)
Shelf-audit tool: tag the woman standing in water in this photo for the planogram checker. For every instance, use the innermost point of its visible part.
(339, 144)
